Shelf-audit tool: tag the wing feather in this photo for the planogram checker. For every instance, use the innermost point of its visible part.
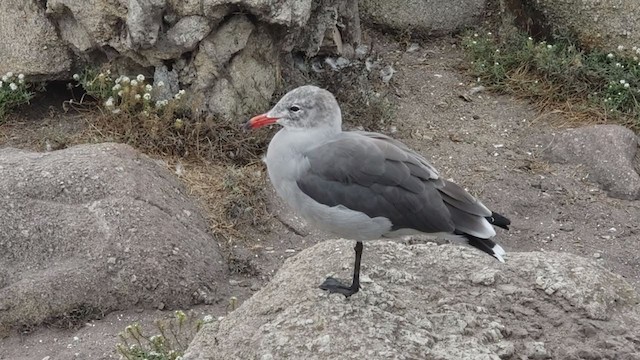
(378, 180)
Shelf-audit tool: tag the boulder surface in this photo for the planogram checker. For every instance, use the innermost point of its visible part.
(96, 228)
(426, 17)
(607, 152)
(431, 302)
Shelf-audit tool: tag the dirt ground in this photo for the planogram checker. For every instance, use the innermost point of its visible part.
(490, 145)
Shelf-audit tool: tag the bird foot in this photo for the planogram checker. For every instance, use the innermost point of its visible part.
(333, 285)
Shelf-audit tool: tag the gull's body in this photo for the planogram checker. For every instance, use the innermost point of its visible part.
(364, 186)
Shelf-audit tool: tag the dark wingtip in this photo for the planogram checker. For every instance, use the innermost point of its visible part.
(499, 220)
(486, 245)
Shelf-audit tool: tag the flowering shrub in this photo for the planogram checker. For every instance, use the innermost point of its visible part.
(14, 91)
(136, 111)
(133, 96)
(560, 72)
(169, 343)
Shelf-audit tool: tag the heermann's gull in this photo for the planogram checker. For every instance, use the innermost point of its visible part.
(363, 185)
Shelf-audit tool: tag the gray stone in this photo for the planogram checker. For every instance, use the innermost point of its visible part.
(607, 152)
(188, 31)
(594, 23)
(96, 20)
(168, 79)
(427, 17)
(239, 58)
(221, 75)
(94, 228)
(251, 72)
(422, 302)
(218, 48)
(144, 18)
(29, 43)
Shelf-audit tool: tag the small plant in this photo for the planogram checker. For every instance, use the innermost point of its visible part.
(133, 96)
(170, 342)
(134, 112)
(559, 73)
(14, 91)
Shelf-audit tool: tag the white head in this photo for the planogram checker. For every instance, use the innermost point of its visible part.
(305, 107)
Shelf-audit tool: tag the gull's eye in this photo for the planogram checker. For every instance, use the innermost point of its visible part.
(294, 108)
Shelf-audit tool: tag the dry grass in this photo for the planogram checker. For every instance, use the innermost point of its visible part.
(233, 197)
(177, 134)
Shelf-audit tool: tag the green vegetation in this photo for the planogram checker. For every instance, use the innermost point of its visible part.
(137, 113)
(14, 91)
(590, 85)
(169, 343)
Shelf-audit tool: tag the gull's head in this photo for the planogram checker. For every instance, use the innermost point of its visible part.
(305, 107)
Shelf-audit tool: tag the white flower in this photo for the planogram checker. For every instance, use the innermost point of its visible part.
(120, 93)
(20, 76)
(1, 83)
(13, 87)
(101, 76)
(530, 38)
(475, 35)
(108, 72)
(137, 96)
(140, 78)
(9, 74)
(497, 63)
(147, 96)
(620, 47)
(160, 83)
(179, 94)
(109, 102)
(618, 65)
(626, 85)
(20, 81)
(125, 80)
(549, 46)
(76, 77)
(116, 87)
(5, 78)
(610, 55)
(474, 42)
(134, 83)
(159, 104)
(207, 318)
(148, 88)
(634, 48)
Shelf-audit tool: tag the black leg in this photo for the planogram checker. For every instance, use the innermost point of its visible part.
(333, 285)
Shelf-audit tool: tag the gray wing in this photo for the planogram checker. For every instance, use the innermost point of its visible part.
(378, 178)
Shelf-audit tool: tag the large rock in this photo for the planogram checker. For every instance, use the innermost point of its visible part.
(607, 152)
(593, 23)
(95, 228)
(432, 302)
(188, 40)
(238, 59)
(426, 17)
(29, 43)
